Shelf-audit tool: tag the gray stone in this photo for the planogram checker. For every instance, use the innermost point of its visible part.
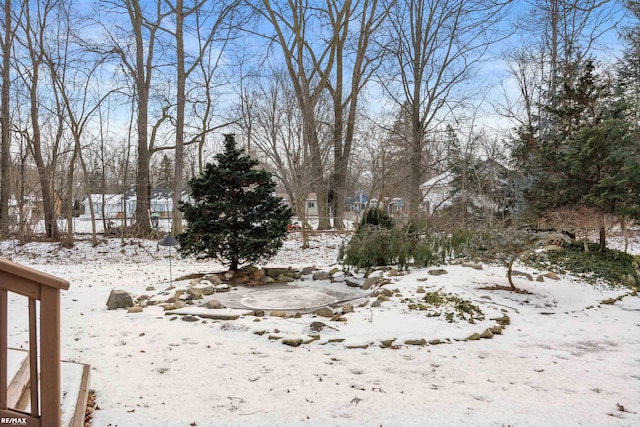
(419, 342)
(308, 270)
(213, 304)
(206, 289)
(222, 288)
(338, 318)
(150, 288)
(119, 299)
(293, 342)
(279, 313)
(420, 290)
(502, 321)
(283, 278)
(437, 272)
(317, 326)
(134, 310)
(371, 282)
(189, 318)
(522, 274)
(324, 312)
(194, 293)
(352, 282)
(474, 265)
(387, 343)
(213, 278)
(355, 346)
(265, 280)
(321, 275)
(347, 308)
(551, 275)
(474, 337)
(540, 278)
(392, 272)
(487, 334)
(383, 291)
(179, 304)
(496, 330)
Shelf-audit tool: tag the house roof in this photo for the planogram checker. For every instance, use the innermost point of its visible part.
(443, 179)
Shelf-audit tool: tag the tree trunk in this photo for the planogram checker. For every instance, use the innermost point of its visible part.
(142, 77)
(5, 123)
(180, 107)
(603, 232)
(69, 202)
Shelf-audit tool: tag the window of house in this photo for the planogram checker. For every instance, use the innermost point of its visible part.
(312, 205)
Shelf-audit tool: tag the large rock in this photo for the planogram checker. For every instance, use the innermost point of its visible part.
(324, 312)
(212, 304)
(308, 270)
(437, 272)
(321, 275)
(371, 282)
(317, 326)
(119, 299)
(195, 293)
(352, 282)
(347, 308)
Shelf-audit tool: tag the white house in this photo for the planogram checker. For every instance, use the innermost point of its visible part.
(436, 192)
(311, 204)
(110, 206)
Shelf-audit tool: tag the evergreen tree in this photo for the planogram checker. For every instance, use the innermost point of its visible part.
(593, 159)
(235, 216)
(165, 174)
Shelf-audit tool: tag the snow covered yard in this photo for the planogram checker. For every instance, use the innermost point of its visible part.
(564, 359)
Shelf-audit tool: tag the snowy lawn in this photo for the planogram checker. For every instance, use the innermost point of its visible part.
(564, 359)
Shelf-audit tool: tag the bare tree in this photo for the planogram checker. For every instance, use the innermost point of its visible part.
(209, 28)
(566, 32)
(354, 66)
(5, 119)
(433, 48)
(34, 29)
(271, 111)
(138, 52)
(74, 77)
(309, 65)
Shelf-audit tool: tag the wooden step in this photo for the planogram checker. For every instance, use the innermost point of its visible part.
(75, 379)
(20, 381)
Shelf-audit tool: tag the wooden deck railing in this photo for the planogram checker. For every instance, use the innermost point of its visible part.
(42, 287)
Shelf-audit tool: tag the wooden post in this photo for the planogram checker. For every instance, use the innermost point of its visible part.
(50, 355)
(4, 357)
(36, 286)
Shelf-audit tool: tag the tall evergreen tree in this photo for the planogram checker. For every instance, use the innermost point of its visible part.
(593, 158)
(235, 216)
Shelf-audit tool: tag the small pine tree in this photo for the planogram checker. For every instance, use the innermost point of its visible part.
(235, 216)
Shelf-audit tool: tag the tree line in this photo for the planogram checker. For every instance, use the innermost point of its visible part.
(332, 97)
